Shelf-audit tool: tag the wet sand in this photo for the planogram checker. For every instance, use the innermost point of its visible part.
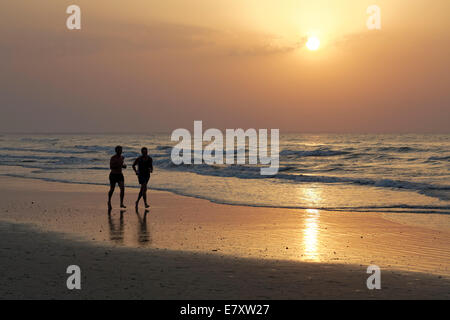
(186, 248)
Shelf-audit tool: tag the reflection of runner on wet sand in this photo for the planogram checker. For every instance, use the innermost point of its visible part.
(116, 233)
(143, 233)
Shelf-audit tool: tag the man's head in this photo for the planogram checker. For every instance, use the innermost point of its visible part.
(144, 151)
(118, 150)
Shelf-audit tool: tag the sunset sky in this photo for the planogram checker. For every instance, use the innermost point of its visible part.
(154, 66)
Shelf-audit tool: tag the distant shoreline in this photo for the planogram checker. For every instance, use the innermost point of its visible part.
(145, 133)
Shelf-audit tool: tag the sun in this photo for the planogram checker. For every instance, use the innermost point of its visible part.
(313, 43)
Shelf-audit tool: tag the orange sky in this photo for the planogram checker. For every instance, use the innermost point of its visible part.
(152, 66)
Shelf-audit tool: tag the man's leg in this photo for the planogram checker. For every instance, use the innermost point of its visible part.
(110, 193)
(144, 194)
(140, 194)
(122, 193)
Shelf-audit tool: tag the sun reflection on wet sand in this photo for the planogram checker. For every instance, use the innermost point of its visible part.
(310, 235)
(311, 225)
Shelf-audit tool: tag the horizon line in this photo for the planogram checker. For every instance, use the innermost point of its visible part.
(168, 132)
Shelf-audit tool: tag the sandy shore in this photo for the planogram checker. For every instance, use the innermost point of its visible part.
(186, 248)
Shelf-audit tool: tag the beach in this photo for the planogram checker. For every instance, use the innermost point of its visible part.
(291, 150)
(188, 248)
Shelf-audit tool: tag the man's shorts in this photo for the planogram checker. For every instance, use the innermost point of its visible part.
(116, 178)
(143, 178)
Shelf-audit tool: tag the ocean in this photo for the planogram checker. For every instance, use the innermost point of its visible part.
(338, 172)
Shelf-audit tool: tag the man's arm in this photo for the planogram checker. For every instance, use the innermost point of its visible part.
(134, 165)
(151, 164)
(124, 166)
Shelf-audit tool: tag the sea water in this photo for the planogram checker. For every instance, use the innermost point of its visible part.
(343, 172)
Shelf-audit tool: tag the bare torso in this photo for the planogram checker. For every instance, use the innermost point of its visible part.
(116, 164)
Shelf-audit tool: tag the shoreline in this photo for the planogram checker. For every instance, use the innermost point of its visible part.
(330, 247)
(400, 209)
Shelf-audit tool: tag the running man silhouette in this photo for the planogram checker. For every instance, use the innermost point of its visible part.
(116, 164)
(145, 167)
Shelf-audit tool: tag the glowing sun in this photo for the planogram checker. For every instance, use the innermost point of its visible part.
(313, 43)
